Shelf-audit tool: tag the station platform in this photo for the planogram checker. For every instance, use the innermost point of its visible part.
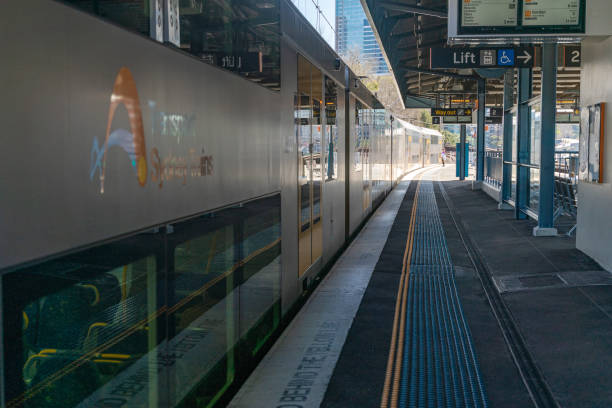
(444, 300)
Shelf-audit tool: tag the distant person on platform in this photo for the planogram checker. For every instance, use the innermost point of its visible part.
(443, 157)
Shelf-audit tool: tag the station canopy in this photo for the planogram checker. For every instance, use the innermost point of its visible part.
(406, 30)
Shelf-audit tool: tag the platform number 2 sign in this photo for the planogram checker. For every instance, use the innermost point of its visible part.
(572, 56)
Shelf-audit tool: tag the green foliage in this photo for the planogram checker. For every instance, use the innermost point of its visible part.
(450, 139)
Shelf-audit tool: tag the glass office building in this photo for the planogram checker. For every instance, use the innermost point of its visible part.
(353, 32)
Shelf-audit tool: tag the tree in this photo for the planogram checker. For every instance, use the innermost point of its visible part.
(385, 89)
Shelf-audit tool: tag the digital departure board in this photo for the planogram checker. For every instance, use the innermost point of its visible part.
(520, 17)
(491, 13)
(551, 12)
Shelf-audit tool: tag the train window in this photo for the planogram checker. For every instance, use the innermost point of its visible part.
(331, 130)
(224, 290)
(150, 320)
(89, 322)
(132, 14)
(242, 36)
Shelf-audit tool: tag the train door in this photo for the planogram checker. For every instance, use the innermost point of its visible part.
(310, 163)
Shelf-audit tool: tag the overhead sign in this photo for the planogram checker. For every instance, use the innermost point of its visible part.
(572, 56)
(490, 112)
(551, 13)
(500, 13)
(522, 57)
(456, 115)
(451, 112)
(518, 17)
(492, 57)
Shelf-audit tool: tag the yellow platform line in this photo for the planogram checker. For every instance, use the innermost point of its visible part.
(396, 348)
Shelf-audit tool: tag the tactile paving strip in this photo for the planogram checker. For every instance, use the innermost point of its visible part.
(439, 367)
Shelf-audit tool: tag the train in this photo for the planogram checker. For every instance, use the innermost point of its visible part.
(176, 177)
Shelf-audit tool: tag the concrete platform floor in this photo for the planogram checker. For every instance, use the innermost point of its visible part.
(559, 299)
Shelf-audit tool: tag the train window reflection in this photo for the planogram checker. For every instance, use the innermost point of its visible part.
(151, 320)
(85, 323)
(331, 151)
(242, 36)
(204, 310)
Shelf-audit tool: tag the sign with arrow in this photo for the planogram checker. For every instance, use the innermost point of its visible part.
(521, 57)
(525, 58)
(491, 57)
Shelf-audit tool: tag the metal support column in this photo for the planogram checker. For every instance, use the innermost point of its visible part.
(461, 156)
(480, 133)
(507, 152)
(525, 79)
(547, 142)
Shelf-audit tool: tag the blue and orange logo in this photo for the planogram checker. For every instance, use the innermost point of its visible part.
(133, 141)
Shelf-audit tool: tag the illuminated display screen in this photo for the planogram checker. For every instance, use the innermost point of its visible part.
(551, 12)
(521, 17)
(491, 13)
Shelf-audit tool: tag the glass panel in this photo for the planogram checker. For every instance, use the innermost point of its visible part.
(260, 291)
(363, 128)
(203, 303)
(513, 188)
(89, 323)
(304, 118)
(317, 162)
(132, 14)
(534, 189)
(242, 36)
(107, 327)
(535, 122)
(567, 137)
(331, 154)
(514, 136)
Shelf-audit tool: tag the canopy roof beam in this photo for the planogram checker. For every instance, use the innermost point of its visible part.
(405, 8)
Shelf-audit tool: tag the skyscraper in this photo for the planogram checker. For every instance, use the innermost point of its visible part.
(353, 33)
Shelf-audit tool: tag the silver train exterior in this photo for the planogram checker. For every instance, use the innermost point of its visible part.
(162, 218)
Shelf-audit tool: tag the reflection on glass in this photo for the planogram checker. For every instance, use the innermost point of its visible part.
(133, 14)
(149, 321)
(206, 263)
(535, 121)
(513, 188)
(86, 320)
(364, 122)
(534, 189)
(331, 106)
(514, 136)
(310, 178)
(242, 36)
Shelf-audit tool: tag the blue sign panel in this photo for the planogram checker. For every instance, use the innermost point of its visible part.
(505, 57)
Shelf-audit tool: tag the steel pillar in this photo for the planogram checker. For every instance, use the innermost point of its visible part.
(480, 133)
(525, 79)
(547, 142)
(507, 153)
(461, 154)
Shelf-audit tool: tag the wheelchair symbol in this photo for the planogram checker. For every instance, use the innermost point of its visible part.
(505, 57)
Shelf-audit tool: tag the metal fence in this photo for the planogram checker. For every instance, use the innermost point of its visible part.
(566, 165)
(493, 168)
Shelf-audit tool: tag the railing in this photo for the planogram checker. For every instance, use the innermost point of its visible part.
(566, 165)
(493, 168)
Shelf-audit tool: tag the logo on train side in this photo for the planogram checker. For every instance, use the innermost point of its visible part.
(124, 93)
(133, 141)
